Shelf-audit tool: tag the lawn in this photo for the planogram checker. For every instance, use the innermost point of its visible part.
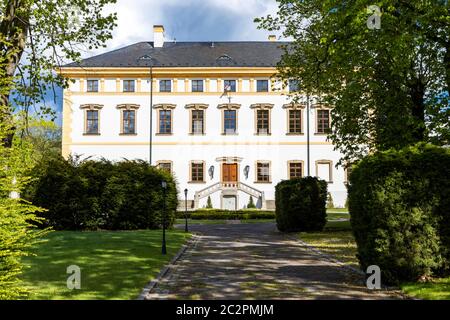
(337, 240)
(114, 265)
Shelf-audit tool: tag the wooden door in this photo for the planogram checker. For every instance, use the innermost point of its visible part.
(229, 172)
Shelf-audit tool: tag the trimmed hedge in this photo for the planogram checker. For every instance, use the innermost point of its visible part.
(95, 195)
(300, 204)
(218, 214)
(400, 212)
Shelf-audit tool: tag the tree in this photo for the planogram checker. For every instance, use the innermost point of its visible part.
(330, 204)
(209, 203)
(37, 36)
(251, 204)
(17, 217)
(389, 86)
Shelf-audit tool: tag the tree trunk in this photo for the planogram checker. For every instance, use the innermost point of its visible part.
(417, 90)
(447, 66)
(14, 27)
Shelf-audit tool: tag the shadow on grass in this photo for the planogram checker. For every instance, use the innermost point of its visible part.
(114, 265)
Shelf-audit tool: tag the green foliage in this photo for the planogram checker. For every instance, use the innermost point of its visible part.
(90, 195)
(251, 204)
(51, 32)
(330, 204)
(300, 204)
(17, 217)
(387, 86)
(399, 208)
(209, 203)
(219, 214)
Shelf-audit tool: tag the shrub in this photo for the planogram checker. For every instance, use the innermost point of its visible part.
(101, 195)
(300, 204)
(251, 204)
(219, 214)
(209, 203)
(18, 217)
(330, 204)
(399, 209)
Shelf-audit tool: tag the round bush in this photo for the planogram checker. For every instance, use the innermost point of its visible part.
(300, 204)
(398, 204)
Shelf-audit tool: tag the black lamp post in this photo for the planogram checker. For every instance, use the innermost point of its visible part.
(149, 59)
(164, 186)
(185, 210)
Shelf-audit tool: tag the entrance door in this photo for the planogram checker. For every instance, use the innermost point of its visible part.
(229, 172)
(229, 202)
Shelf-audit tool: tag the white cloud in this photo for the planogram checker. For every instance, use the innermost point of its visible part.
(188, 20)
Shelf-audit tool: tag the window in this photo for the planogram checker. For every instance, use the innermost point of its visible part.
(197, 85)
(165, 165)
(129, 121)
(294, 85)
(165, 86)
(229, 85)
(263, 172)
(323, 120)
(197, 172)
(197, 121)
(262, 85)
(324, 170)
(92, 122)
(262, 122)
(295, 121)
(229, 121)
(128, 85)
(165, 121)
(295, 169)
(92, 86)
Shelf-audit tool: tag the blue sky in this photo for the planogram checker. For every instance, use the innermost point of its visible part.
(183, 20)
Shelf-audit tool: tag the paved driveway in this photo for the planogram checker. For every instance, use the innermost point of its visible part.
(255, 261)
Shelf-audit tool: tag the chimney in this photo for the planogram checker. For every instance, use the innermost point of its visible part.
(272, 37)
(158, 36)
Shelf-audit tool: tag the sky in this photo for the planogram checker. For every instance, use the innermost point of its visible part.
(183, 20)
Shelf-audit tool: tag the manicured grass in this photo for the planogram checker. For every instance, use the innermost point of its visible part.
(337, 215)
(336, 240)
(114, 265)
(190, 221)
(338, 210)
(436, 290)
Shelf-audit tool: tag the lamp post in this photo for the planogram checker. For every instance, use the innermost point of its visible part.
(149, 59)
(185, 210)
(307, 137)
(164, 187)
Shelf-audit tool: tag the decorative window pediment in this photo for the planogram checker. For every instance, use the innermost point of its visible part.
(264, 106)
(128, 106)
(91, 106)
(197, 106)
(229, 106)
(294, 106)
(164, 106)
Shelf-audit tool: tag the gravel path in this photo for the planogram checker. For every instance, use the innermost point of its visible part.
(255, 261)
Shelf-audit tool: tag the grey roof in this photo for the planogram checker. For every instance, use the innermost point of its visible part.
(191, 54)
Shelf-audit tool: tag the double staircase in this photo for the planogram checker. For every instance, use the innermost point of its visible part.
(227, 187)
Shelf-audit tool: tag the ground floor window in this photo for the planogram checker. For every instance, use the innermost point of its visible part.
(165, 165)
(295, 169)
(324, 170)
(263, 172)
(197, 171)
